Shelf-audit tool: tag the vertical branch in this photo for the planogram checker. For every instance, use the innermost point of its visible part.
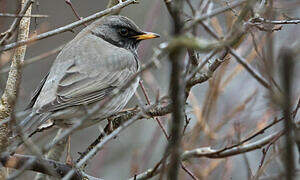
(269, 55)
(287, 56)
(9, 96)
(16, 22)
(177, 86)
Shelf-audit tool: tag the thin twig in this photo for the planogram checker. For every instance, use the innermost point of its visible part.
(93, 151)
(156, 118)
(18, 15)
(214, 13)
(9, 97)
(207, 152)
(74, 11)
(15, 23)
(36, 58)
(261, 131)
(266, 21)
(67, 27)
(264, 151)
(241, 61)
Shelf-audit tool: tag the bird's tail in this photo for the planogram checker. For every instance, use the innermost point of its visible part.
(29, 127)
(31, 123)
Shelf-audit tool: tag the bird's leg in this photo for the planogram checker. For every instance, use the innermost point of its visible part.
(109, 125)
(69, 160)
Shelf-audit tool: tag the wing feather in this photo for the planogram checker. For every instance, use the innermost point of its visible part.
(85, 82)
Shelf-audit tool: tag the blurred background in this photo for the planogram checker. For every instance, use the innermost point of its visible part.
(227, 108)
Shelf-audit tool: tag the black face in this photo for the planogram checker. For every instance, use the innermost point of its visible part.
(127, 37)
(121, 31)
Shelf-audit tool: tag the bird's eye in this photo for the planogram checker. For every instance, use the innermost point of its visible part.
(123, 32)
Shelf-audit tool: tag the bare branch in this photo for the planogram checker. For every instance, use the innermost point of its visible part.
(207, 152)
(16, 22)
(18, 161)
(18, 15)
(36, 58)
(10, 94)
(287, 60)
(177, 94)
(217, 11)
(67, 27)
(262, 20)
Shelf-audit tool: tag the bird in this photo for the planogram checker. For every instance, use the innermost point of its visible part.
(101, 58)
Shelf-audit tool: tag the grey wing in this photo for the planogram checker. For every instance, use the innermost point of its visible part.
(73, 91)
(84, 83)
(37, 92)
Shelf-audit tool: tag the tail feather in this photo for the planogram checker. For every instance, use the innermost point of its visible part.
(33, 121)
(29, 127)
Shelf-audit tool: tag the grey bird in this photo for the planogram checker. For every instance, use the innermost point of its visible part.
(101, 58)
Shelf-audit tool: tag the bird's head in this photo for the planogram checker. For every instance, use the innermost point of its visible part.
(121, 32)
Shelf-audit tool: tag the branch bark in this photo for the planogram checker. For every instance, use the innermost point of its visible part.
(177, 92)
(10, 94)
(287, 59)
(18, 161)
(207, 152)
(25, 6)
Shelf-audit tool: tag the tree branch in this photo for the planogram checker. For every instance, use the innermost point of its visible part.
(10, 94)
(177, 91)
(67, 27)
(18, 161)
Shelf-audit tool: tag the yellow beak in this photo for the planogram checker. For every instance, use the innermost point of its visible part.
(146, 35)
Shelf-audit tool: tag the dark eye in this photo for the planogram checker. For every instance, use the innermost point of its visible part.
(123, 32)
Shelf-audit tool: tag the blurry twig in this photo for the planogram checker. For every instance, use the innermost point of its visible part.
(191, 6)
(36, 58)
(264, 129)
(214, 154)
(264, 151)
(241, 60)
(54, 154)
(254, 74)
(260, 20)
(239, 108)
(156, 118)
(204, 76)
(188, 171)
(112, 3)
(177, 92)
(73, 9)
(98, 146)
(287, 69)
(9, 97)
(215, 12)
(18, 15)
(67, 27)
(7, 34)
(10, 94)
(196, 153)
(18, 161)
